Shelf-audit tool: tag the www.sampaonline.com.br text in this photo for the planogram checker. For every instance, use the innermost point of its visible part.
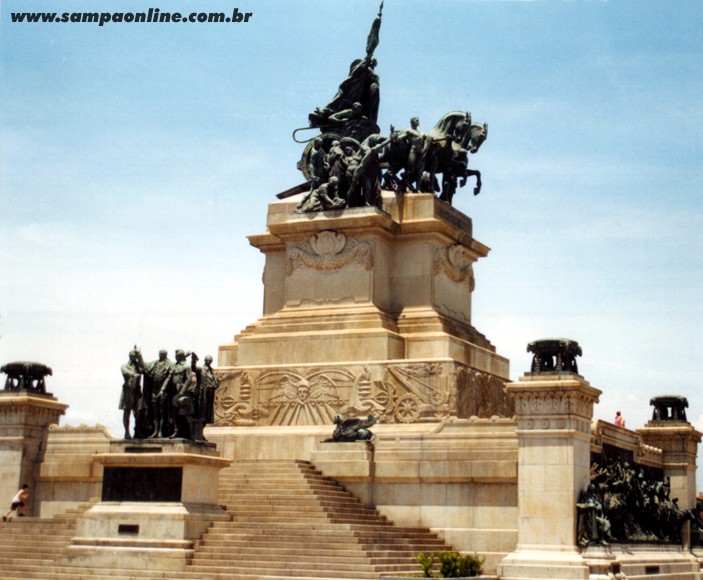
(153, 15)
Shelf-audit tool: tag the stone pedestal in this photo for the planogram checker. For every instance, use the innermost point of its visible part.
(366, 310)
(158, 498)
(678, 441)
(554, 412)
(24, 421)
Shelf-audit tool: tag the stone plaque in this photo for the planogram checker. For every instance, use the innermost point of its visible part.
(147, 484)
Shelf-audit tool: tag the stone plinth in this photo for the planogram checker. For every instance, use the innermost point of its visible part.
(637, 561)
(365, 311)
(678, 441)
(24, 421)
(554, 412)
(158, 498)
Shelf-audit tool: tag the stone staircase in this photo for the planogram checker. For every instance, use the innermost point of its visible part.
(29, 546)
(289, 522)
(292, 522)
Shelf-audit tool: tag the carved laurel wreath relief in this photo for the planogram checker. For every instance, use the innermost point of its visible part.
(328, 250)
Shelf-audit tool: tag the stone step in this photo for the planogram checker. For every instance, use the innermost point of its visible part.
(369, 549)
(296, 476)
(330, 541)
(262, 537)
(288, 571)
(218, 575)
(287, 527)
(306, 503)
(71, 573)
(290, 523)
(274, 500)
(345, 550)
(285, 495)
(281, 488)
(335, 558)
(302, 517)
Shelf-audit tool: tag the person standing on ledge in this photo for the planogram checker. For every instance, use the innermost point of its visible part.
(18, 503)
(619, 419)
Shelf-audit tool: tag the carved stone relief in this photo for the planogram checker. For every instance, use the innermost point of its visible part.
(456, 263)
(328, 250)
(402, 393)
(482, 395)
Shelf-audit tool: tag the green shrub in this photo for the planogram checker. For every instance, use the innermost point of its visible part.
(451, 564)
(426, 563)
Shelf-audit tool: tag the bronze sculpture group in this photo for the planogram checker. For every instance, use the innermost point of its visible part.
(175, 400)
(625, 504)
(349, 163)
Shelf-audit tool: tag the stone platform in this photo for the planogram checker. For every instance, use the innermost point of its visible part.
(366, 311)
(159, 496)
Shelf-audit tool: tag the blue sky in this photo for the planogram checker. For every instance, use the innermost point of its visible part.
(136, 159)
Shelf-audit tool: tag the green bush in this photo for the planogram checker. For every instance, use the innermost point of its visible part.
(451, 564)
(426, 563)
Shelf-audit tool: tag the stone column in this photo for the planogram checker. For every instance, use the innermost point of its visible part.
(24, 422)
(554, 411)
(678, 441)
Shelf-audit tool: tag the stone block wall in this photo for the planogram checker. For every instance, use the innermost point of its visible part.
(69, 475)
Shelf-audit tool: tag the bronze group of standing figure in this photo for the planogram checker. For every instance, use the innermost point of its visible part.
(349, 163)
(623, 504)
(175, 400)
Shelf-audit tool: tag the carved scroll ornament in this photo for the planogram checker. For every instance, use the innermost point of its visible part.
(329, 250)
(456, 263)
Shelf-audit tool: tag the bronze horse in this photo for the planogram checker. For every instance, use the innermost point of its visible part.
(422, 156)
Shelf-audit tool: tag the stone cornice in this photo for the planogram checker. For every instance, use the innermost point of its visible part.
(159, 460)
(421, 216)
(561, 402)
(10, 400)
(679, 443)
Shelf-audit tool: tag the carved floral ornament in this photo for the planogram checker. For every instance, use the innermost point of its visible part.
(554, 403)
(328, 250)
(457, 264)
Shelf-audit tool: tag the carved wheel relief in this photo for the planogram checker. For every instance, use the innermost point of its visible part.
(407, 409)
(329, 250)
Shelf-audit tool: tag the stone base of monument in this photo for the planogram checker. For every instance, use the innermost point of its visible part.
(631, 561)
(560, 562)
(635, 561)
(159, 496)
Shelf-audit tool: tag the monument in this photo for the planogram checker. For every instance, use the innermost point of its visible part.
(366, 366)
(368, 279)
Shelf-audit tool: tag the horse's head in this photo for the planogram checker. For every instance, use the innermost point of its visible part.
(477, 135)
(449, 125)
